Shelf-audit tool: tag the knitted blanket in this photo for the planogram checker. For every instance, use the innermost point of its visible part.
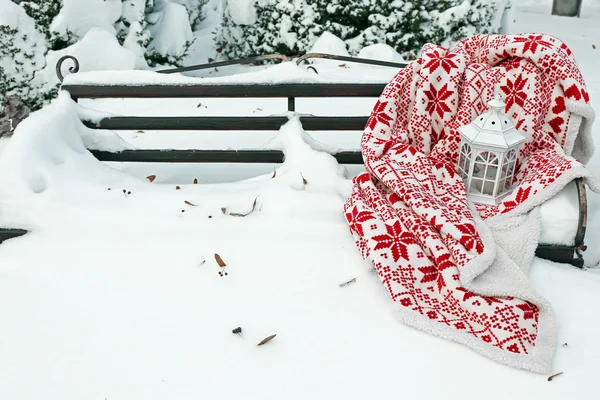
(455, 269)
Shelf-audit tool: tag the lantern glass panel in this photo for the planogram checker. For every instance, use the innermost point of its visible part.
(504, 171)
(509, 166)
(488, 188)
(480, 165)
(476, 186)
(464, 160)
(500, 188)
(493, 159)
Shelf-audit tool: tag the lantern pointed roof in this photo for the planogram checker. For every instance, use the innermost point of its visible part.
(492, 128)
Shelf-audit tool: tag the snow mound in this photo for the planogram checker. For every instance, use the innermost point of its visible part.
(381, 52)
(242, 12)
(560, 230)
(305, 162)
(80, 16)
(172, 30)
(330, 44)
(45, 157)
(49, 172)
(98, 50)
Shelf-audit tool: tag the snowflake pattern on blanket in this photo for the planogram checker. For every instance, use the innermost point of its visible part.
(409, 214)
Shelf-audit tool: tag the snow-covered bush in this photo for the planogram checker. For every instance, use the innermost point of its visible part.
(132, 28)
(22, 50)
(253, 27)
(170, 33)
(405, 25)
(43, 13)
(195, 10)
(346, 18)
(471, 17)
(34, 32)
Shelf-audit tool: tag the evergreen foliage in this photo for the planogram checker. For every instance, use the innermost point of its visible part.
(291, 27)
(282, 26)
(43, 13)
(194, 9)
(22, 55)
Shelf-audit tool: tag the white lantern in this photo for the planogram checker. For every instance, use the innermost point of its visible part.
(488, 152)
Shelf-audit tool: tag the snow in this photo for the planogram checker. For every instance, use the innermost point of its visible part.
(14, 16)
(133, 13)
(454, 13)
(28, 46)
(118, 296)
(330, 44)
(131, 43)
(560, 230)
(242, 12)
(79, 16)
(137, 309)
(287, 72)
(171, 30)
(97, 51)
(381, 52)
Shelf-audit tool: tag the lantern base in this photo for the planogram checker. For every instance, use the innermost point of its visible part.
(485, 199)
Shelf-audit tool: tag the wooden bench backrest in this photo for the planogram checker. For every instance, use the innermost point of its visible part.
(291, 91)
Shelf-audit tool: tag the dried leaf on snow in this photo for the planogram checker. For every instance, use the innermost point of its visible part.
(266, 340)
(195, 181)
(189, 204)
(177, 188)
(151, 178)
(219, 260)
(303, 179)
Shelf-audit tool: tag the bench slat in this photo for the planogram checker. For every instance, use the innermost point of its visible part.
(228, 123)
(212, 156)
(231, 91)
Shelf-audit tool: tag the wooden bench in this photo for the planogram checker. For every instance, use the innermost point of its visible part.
(290, 91)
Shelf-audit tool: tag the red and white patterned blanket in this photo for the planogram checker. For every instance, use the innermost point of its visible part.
(454, 270)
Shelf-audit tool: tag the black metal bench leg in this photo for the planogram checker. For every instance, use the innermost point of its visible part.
(6, 234)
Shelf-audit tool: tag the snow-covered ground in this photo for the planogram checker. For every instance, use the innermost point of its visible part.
(119, 296)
